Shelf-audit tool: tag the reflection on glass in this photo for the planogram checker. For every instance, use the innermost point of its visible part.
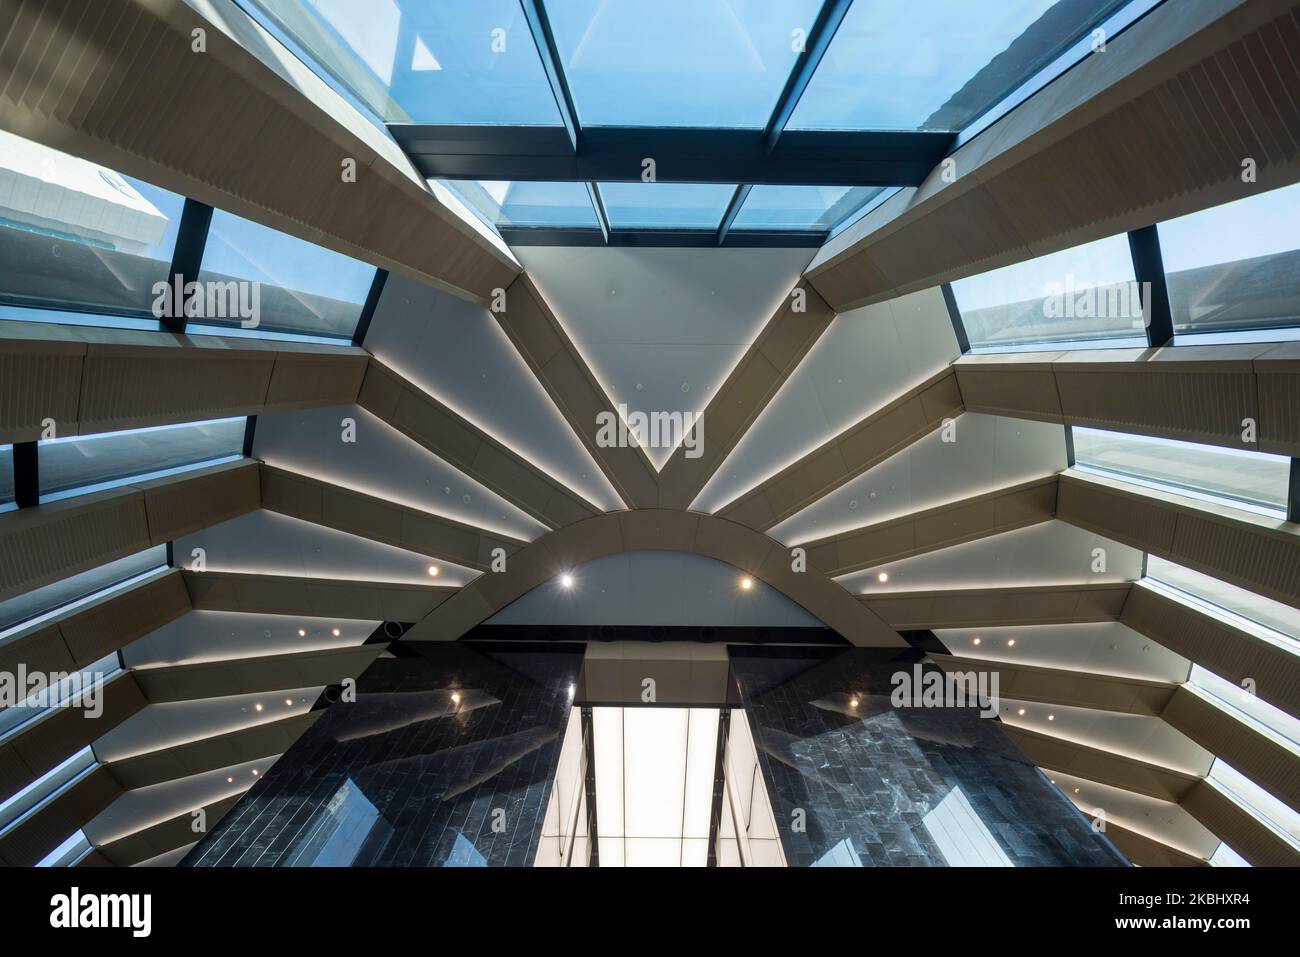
(566, 818)
(814, 208)
(37, 794)
(262, 280)
(665, 205)
(901, 65)
(1236, 266)
(1085, 293)
(962, 838)
(69, 853)
(1280, 818)
(555, 205)
(714, 63)
(1271, 620)
(412, 61)
(1242, 478)
(6, 475)
(81, 688)
(70, 593)
(758, 842)
(339, 830)
(80, 464)
(79, 237)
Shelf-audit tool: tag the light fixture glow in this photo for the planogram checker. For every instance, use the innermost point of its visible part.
(455, 698)
(977, 640)
(1021, 711)
(746, 584)
(1051, 717)
(883, 577)
(1011, 642)
(302, 632)
(289, 702)
(853, 703)
(258, 706)
(254, 772)
(433, 570)
(566, 581)
(230, 780)
(335, 632)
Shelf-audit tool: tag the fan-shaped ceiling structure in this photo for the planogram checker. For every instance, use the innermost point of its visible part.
(852, 320)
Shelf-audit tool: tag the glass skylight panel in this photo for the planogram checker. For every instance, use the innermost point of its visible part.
(69, 593)
(696, 63)
(69, 852)
(6, 476)
(1264, 807)
(261, 280)
(665, 205)
(939, 64)
(417, 61)
(1271, 620)
(85, 463)
(1235, 266)
(67, 693)
(812, 208)
(43, 789)
(1241, 478)
(78, 237)
(528, 205)
(1249, 707)
(1085, 294)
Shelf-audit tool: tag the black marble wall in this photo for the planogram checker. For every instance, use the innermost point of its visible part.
(866, 777)
(410, 775)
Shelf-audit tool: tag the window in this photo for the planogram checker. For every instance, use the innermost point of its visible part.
(698, 63)
(554, 205)
(79, 238)
(937, 65)
(412, 61)
(1261, 805)
(1254, 480)
(88, 463)
(67, 595)
(1084, 295)
(1272, 722)
(6, 477)
(69, 853)
(813, 208)
(263, 281)
(1268, 619)
(1235, 267)
(665, 205)
(40, 792)
(68, 692)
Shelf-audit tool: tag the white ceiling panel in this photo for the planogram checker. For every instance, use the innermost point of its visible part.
(977, 453)
(223, 635)
(458, 353)
(662, 328)
(865, 359)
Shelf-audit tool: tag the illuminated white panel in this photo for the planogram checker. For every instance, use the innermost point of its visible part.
(225, 635)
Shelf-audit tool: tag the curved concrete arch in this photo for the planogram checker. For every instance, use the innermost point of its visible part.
(662, 529)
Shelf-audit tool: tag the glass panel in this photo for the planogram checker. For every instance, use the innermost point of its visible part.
(665, 205)
(558, 205)
(814, 208)
(937, 65)
(1248, 707)
(80, 464)
(6, 475)
(264, 280)
(69, 593)
(1261, 805)
(1271, 620)
(1249, 478)
(80, 689)
(715, 63)
(1227, 857)
(45, 787)
(1235, 266)
(1085, 293)
(68, 853)
(77, 236)
(413, 61)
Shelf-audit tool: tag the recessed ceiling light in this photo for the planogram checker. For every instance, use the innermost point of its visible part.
(977, 640)
(433, 570)
(455, 698)
(853, 703)
(1011, 642)
(746, 584)
(289, 702)
(258, 706)
(1051, 717)
(566, 581)
(335, 632)
(302, 632)
(1076, 790)
(883, 577)
(254, 772)
(1021, 711)
(230, 780)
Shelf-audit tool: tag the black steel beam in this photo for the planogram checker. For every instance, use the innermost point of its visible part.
(816, 43)
(954, 316)
(1149, 270)
(1293, 496)
(616, 154)
(187, 256)
(691, 238)
(589, 786)
(368, 310)
(719, 784)
(733, 210)
(598, 204)
(540, 26)
(27, 476)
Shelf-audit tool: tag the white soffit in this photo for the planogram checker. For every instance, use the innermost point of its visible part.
(384, 463)
(974, 454)
(268, 543)
(662, 328)
(655, 588)
(225, 635)
(864, 360)
(1049, 553)
(458, 353)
